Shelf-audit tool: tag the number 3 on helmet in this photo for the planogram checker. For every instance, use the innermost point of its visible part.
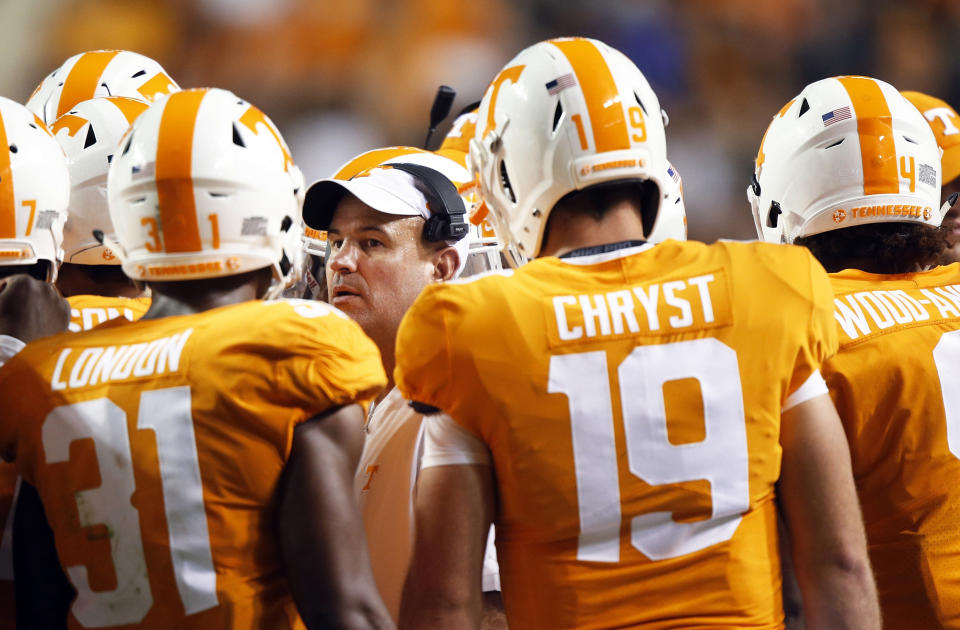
(202, 186)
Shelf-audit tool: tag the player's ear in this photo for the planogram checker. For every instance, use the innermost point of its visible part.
(446, 263)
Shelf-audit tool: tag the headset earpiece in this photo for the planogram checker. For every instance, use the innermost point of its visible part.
(448, 223)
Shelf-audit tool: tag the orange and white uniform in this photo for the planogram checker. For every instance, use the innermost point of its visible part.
(157, 447)
(630, 401)
(896, 384)
(87, 311)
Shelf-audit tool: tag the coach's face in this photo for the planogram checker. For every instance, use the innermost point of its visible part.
(378, 265)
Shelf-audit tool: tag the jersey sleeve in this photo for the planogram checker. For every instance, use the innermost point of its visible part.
(9, 346)
(20, 399)
(329, 361)
(423, 367)
(446, 443)
(820, 340)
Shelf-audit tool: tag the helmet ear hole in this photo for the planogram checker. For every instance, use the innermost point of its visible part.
(237, 138)
(505, 182)
(91, 138)
(804, 108)
(557, 115)
(649, 205)
(640, 103)
(773, 217)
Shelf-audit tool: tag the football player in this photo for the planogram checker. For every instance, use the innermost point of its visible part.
(196, 465)
(99, 73)
(34, 194)
(630, 415)
(97, 290)
(850, 169)
(91, 277)
(945, 122)
(392, 231)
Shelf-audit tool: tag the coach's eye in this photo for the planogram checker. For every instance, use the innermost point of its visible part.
(336, 244)
(372, 242)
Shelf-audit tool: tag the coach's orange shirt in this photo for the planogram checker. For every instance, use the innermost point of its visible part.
(157, 446)
(631, 402)
(896, 384)
(88, 311)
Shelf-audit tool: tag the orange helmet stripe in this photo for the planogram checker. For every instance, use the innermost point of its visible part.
(8, 209)
(178, 210)
(81, 83)
(875, 128)
(370, 159)
(600, 91)
(131, 108)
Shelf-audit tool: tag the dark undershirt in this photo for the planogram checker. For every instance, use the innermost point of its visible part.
(602, 249)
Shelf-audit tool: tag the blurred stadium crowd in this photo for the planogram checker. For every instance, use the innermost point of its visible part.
(343, 77)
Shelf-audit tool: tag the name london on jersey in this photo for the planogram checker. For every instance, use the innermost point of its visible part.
(866, 312)
(84, 367)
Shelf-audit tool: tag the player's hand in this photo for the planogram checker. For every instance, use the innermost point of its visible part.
(30, 309)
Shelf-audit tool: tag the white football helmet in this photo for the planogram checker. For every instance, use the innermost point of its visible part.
(672, 222)
(563, 115)
(99, 73)
(89, 135)
(34, 190)
(456, 144)
(479, 250)
(846, 151)
(203, 186)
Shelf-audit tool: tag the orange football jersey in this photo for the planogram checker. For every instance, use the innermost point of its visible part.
(896, 383)
(87, 311)
(8, 494)
(631, 401)
(157, 448)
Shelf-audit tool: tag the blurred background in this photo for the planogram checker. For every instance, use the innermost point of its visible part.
(343, 76)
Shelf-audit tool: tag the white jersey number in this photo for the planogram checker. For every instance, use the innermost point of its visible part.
(720, 458)
(946, 356)
(167, 413)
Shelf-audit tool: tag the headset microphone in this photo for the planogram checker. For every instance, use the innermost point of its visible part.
(442, 103)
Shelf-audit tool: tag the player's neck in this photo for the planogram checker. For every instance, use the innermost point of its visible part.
(196, 296)
(106, 281)
(388, 357)
(570, 230)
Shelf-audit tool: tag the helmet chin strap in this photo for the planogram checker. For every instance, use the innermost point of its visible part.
(280, 281)
(949, 203)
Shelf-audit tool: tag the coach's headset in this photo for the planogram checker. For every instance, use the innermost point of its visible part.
(447, 222)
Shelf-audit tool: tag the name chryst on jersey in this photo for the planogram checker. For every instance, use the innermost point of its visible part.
(865, 313)
(653, 309)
